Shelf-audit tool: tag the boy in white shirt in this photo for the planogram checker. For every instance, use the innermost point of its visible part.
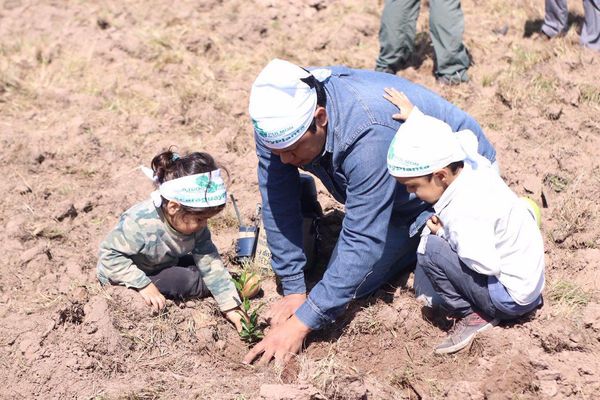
(482, 250)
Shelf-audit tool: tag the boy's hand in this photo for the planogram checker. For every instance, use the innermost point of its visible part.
(434, 224)
(400, 100)
(153, 297)
(235, 316)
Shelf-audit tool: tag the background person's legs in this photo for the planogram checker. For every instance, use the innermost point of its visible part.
(180, 283)
(397, 34)
(555, 18)
(446, 24)
(462, 290)
(590, 32)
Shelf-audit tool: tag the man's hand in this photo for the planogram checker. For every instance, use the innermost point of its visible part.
(282, 342)
(281, 311)
(400, 100)
(153, 297)
(434, 224)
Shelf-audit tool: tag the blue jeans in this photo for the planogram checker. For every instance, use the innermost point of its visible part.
(459, 290)
(462, 290)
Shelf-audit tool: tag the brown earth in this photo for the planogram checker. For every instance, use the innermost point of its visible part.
(91, 90)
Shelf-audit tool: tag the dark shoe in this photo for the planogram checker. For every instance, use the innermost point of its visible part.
(452, 80)
(464, 331)
(387, 70)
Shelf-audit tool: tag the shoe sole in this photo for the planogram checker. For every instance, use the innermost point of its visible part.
(461, 345)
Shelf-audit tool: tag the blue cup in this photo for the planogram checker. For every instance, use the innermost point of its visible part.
(246, 243)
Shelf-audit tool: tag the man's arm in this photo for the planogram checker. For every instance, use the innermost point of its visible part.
(279, 186)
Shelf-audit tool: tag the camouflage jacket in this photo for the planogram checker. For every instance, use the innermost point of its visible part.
(144, 243)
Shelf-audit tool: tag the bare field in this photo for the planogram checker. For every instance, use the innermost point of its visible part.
(91, 90)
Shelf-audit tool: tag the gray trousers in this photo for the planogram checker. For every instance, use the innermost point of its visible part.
(556, 21)
(461, 289)
(446, 25)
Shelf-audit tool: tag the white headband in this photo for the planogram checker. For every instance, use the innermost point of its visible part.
(282, 106)
(197, 191)
(425, 144)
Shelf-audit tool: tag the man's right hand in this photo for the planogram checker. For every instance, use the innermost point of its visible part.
(281, 311)
(153, 297)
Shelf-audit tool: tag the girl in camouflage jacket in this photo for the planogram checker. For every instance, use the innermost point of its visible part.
(162, 247)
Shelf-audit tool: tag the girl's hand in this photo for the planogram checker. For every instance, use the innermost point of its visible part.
(153, 297)
(235, 316)
(434, 224)
(400, 100)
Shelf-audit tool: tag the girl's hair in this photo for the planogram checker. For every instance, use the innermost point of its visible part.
(168, 165)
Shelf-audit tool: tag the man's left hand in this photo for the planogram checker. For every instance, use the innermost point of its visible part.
(281, 343)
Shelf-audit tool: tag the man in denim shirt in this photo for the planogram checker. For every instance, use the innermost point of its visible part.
(334, 123)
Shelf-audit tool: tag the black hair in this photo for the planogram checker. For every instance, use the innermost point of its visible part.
(168, 165)
(453, 166)
(321, 96)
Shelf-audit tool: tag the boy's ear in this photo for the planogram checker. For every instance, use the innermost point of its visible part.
(173, 208)
(441, 175)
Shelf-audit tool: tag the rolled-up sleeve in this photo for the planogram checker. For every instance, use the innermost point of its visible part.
(280, 190)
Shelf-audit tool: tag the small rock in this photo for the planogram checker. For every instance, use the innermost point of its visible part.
(71, 212)
(289, 392)
(86, 206)
(221, 345)
(190, 304)
(30, 254)
(79, 294)
(502, 31)
(548, 388)
(548, 375)
(102, 23)
(388, 316)
(553, 113)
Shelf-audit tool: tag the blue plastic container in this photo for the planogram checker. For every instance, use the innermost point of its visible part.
(246, 243)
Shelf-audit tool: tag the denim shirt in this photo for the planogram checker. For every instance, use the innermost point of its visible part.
(353, 168)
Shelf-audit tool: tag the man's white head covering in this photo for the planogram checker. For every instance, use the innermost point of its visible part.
(425, 144)
(197, 191)
(283, 101)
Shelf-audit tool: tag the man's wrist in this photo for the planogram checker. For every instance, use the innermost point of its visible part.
(299, 325)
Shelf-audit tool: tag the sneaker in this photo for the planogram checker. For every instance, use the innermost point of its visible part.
(463, 332)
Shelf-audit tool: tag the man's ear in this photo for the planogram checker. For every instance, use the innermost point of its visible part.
(172, 208)
(321, 116)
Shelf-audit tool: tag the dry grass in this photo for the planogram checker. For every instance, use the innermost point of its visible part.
(568, 298)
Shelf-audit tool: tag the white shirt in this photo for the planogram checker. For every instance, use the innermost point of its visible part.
(493, 232)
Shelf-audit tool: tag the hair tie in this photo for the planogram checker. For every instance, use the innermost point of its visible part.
(175, 157)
